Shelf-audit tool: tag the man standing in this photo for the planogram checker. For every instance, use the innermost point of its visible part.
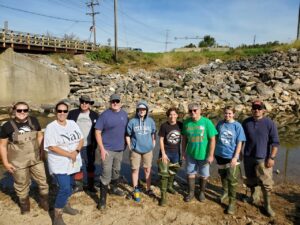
(260, 152)
(86, 120)
(198, 145)
(20, 143)
(110, 136)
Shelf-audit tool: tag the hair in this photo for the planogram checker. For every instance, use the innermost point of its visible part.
(61, 103)
(194, 105)
(171, 110)
(229, 107)
(14, 107)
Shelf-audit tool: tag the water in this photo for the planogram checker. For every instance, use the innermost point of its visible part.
(286, 167)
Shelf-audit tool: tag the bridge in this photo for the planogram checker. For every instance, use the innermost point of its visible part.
(27, 42)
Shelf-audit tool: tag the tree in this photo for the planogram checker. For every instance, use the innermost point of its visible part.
(207, 41)
(191, 45)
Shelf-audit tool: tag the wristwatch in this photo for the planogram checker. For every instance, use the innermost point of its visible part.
(273, 158)
(77, 151)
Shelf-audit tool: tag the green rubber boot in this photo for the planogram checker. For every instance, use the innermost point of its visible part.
(232, 178)
(171, 189)
(163, 191)
(191, 195)
(203, 183)
(223, 175)
(267, 204)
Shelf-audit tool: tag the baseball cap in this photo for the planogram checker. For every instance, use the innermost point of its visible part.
(141, 106)
(86, 98)
(114, 97)
(258, 103)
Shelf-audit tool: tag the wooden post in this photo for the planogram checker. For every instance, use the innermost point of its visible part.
(12, 39)
(55, 45)
(28, 41)
(43, 42)
(4, 37)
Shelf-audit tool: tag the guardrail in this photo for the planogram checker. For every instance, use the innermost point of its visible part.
(22, 40)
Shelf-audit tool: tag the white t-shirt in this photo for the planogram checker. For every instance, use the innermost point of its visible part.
(67, 138)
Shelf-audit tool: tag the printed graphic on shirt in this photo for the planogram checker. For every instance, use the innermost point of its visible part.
(173, 137)
(72, 137)
(196, 133)
(226, 137)
(24, 129)
(142, 130)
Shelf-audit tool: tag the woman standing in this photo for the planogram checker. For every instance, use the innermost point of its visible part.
(228, 148)
(169, 141)
(63, 141)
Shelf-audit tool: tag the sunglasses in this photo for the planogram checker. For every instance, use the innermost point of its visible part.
(62, 111)
(22, 110)
(257, 107)
(193, 110)
(115, 101)
(85, 102)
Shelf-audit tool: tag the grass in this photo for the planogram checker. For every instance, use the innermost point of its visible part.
(180, 60)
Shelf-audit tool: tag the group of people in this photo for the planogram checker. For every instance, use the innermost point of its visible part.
(72, 139)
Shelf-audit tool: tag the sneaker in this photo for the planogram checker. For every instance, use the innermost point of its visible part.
(150, 193)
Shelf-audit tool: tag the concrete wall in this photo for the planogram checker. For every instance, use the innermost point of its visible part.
(22, 78)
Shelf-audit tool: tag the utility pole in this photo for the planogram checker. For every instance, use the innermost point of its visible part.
(298, 31)
(254, 39)
(116, 30)
(93, 13)
(166, 43)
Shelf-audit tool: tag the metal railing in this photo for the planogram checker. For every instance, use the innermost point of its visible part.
(13, 39)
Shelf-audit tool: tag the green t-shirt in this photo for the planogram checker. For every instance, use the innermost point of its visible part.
(198, 134)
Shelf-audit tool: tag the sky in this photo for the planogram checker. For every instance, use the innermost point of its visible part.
(149, 24)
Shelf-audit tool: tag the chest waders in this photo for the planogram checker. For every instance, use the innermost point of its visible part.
(23, 150)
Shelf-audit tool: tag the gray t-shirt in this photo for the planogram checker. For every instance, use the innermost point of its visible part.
(84, 122)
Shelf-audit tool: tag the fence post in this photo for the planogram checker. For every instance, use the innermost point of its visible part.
(12, 39)
(28, 40)
(4, 38)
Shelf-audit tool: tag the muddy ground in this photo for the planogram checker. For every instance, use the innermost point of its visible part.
(123, 211)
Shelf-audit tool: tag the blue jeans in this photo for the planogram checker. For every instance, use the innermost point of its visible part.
(64, 182)
(194, 166)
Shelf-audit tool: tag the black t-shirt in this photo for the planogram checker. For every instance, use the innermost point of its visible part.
(172, 135)
(7, 129)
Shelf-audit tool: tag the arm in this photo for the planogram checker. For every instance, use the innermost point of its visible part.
(236, 154)
(271, 159)
(3, 151)
(128, 142)
(164, 156)
(212, 145)
(183, 144)
(103, 152)
(59, 151)
(153, 139)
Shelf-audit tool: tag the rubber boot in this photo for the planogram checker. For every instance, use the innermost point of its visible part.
(255, 195)
(78, 186)
(44, 204)
(24, 205)
(202, 189)
(223, 175)
(58, 220)
(103, 194)
(163, 191)
(267, 204)
(191, 195)
(115, 189)
(170, 185)
(69, 210)
(91, 185)
(232, 178)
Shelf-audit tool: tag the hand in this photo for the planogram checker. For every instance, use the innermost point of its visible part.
(10, 168)
(210, 159)
(165, 158)
(270, 163)
(183, 156)
(73, 156)
(103, 153)
(233, 162)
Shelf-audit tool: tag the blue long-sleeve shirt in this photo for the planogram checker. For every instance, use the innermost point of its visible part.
(261, 135)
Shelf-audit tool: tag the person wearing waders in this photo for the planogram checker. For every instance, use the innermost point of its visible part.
(86, 120)
(20, 147)
(168, 163)
(259, 154)
(229, 143)
(198, 146)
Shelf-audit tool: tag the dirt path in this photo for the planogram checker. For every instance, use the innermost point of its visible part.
(121, 211)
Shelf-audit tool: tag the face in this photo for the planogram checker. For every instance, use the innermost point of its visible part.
(195, 113)
(228, 115)
(173, 117)
(142, 112)
(84, 106)
(21, 112)
(115, 105)
(257, 111)
(62, 113)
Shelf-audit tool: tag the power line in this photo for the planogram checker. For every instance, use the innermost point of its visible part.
(93, 13)
(44, 15)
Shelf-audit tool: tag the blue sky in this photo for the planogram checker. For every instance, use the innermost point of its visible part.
(144, 23)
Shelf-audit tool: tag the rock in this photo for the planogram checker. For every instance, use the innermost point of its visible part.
(264, 90)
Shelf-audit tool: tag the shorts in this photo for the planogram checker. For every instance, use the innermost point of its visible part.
(194, 166)
(136, 158)
(174, 157)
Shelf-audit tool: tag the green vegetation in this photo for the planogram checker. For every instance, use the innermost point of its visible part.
(181, 60)
(207, 41)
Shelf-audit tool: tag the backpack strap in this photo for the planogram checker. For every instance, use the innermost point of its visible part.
(14, 125)
(31, 124)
